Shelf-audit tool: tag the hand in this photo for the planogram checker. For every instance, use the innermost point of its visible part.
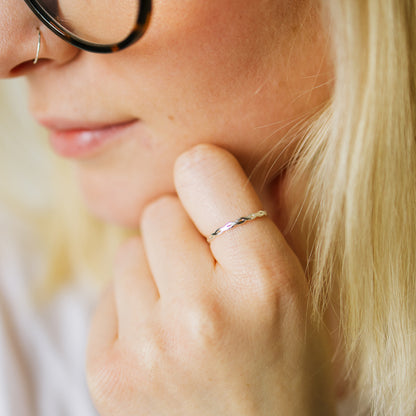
(196, 329)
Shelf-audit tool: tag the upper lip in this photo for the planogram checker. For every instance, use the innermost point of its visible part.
(64, 124)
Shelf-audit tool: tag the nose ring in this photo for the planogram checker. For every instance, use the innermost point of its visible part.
(38, 48)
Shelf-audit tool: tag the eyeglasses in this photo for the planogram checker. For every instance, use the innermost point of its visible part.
(101, 26)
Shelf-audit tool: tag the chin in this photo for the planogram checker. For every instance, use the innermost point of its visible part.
(118, 200)
(115, 206)
(119, 216)
(123, 215)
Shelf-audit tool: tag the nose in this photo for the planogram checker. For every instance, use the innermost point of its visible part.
(19, 41)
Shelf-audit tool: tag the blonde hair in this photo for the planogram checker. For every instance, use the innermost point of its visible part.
(361, 158)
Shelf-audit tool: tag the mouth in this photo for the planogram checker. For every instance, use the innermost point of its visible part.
(77, 139)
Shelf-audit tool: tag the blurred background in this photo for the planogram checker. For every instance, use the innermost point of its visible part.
(39, 191)
(25, 160)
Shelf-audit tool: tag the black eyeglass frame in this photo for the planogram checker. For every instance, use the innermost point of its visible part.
(143, 19)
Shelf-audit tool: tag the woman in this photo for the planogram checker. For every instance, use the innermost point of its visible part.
(292, 310)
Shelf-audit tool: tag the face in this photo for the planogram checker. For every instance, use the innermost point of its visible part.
(234, 73)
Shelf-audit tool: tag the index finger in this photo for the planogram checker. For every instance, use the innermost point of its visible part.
(214, 190)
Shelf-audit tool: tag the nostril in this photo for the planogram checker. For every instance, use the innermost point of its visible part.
(26, 66)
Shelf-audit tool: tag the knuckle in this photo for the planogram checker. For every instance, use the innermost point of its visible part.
(263, 301)
(268, 275)
(126, 253)
(126, 374)
(159, 212)
(290, 282)
(193, 331)
(106, 379)
(268, 293)
(159, 207)
(205, 325)
(282, 277)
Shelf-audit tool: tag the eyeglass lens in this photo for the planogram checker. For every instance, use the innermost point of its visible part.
(96, 21)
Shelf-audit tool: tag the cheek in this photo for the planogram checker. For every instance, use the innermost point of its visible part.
(206, 80)
(225, 67)
(201, 52)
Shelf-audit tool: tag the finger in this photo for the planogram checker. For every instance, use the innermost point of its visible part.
(104, 325)
(135, 290)
(178, 255)
(214, 190)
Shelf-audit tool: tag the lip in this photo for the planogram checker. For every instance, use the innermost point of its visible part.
(79, 139)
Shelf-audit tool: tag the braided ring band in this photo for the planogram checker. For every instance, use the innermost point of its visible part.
(232, 224)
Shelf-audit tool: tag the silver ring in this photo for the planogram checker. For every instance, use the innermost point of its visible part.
(38, 48)
(233, 224)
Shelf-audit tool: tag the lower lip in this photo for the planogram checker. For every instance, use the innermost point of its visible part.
(84, 142)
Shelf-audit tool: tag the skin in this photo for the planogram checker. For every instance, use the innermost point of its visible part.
(234, 91)
(234, 79)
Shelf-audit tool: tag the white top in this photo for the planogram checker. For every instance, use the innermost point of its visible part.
(42, 347)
